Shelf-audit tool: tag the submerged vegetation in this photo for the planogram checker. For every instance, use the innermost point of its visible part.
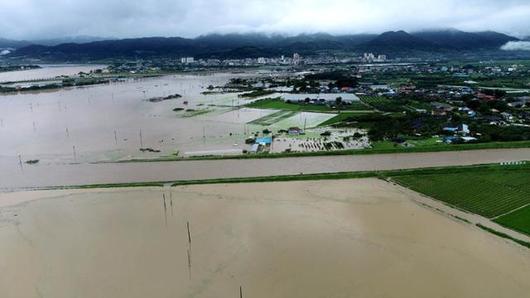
(169, 97)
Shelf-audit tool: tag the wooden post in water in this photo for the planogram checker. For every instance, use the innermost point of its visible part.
(171, 202)
(116, 137)
(189, 263)
(165, 208)
(75, 153)
(20, 161)
(141, 139)
(189, 234)
(240, 292)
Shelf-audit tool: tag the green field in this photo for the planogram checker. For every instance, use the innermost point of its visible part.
(490, 193)
(382, 103)
(518, 220)
(278, 104)
(344, 116)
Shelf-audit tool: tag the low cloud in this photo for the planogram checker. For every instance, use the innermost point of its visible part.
(37, 19)
(517, 46)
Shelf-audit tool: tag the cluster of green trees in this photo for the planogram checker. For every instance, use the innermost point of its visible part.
(392, 127)
(494, 133)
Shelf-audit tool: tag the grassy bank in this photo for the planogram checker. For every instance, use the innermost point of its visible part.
(505, 236)
(319, 176)
(394, 174)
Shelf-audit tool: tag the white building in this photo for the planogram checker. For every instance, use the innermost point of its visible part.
(187, 60)
(371, 57)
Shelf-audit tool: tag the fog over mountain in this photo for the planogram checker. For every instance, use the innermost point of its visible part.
(517, 46)
(52, 19)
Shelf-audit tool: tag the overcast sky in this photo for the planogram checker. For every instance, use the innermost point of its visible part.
(34, 19)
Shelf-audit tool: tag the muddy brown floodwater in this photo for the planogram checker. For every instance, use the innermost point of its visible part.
(348, 238)
(51, 174)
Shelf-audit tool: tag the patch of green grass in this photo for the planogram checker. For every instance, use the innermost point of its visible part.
(344, 116)
(518, 220)
(384, 145)
(489, 193)
(115, 185)
(279, 104)
(427, 142)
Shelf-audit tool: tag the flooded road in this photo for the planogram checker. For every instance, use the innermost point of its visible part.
(53, 174)
(349, 238)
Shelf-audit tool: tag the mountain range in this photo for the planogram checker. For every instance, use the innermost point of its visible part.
(262, 45)
(14, 44)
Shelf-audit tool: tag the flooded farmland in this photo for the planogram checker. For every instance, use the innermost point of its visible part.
(109, 122)
(351, 238)
(46, 72)
(112, 122)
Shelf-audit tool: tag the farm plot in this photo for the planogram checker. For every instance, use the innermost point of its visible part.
(273, 118)
(518, 220)
(489, 193)
(382, 104)
(304, 119)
